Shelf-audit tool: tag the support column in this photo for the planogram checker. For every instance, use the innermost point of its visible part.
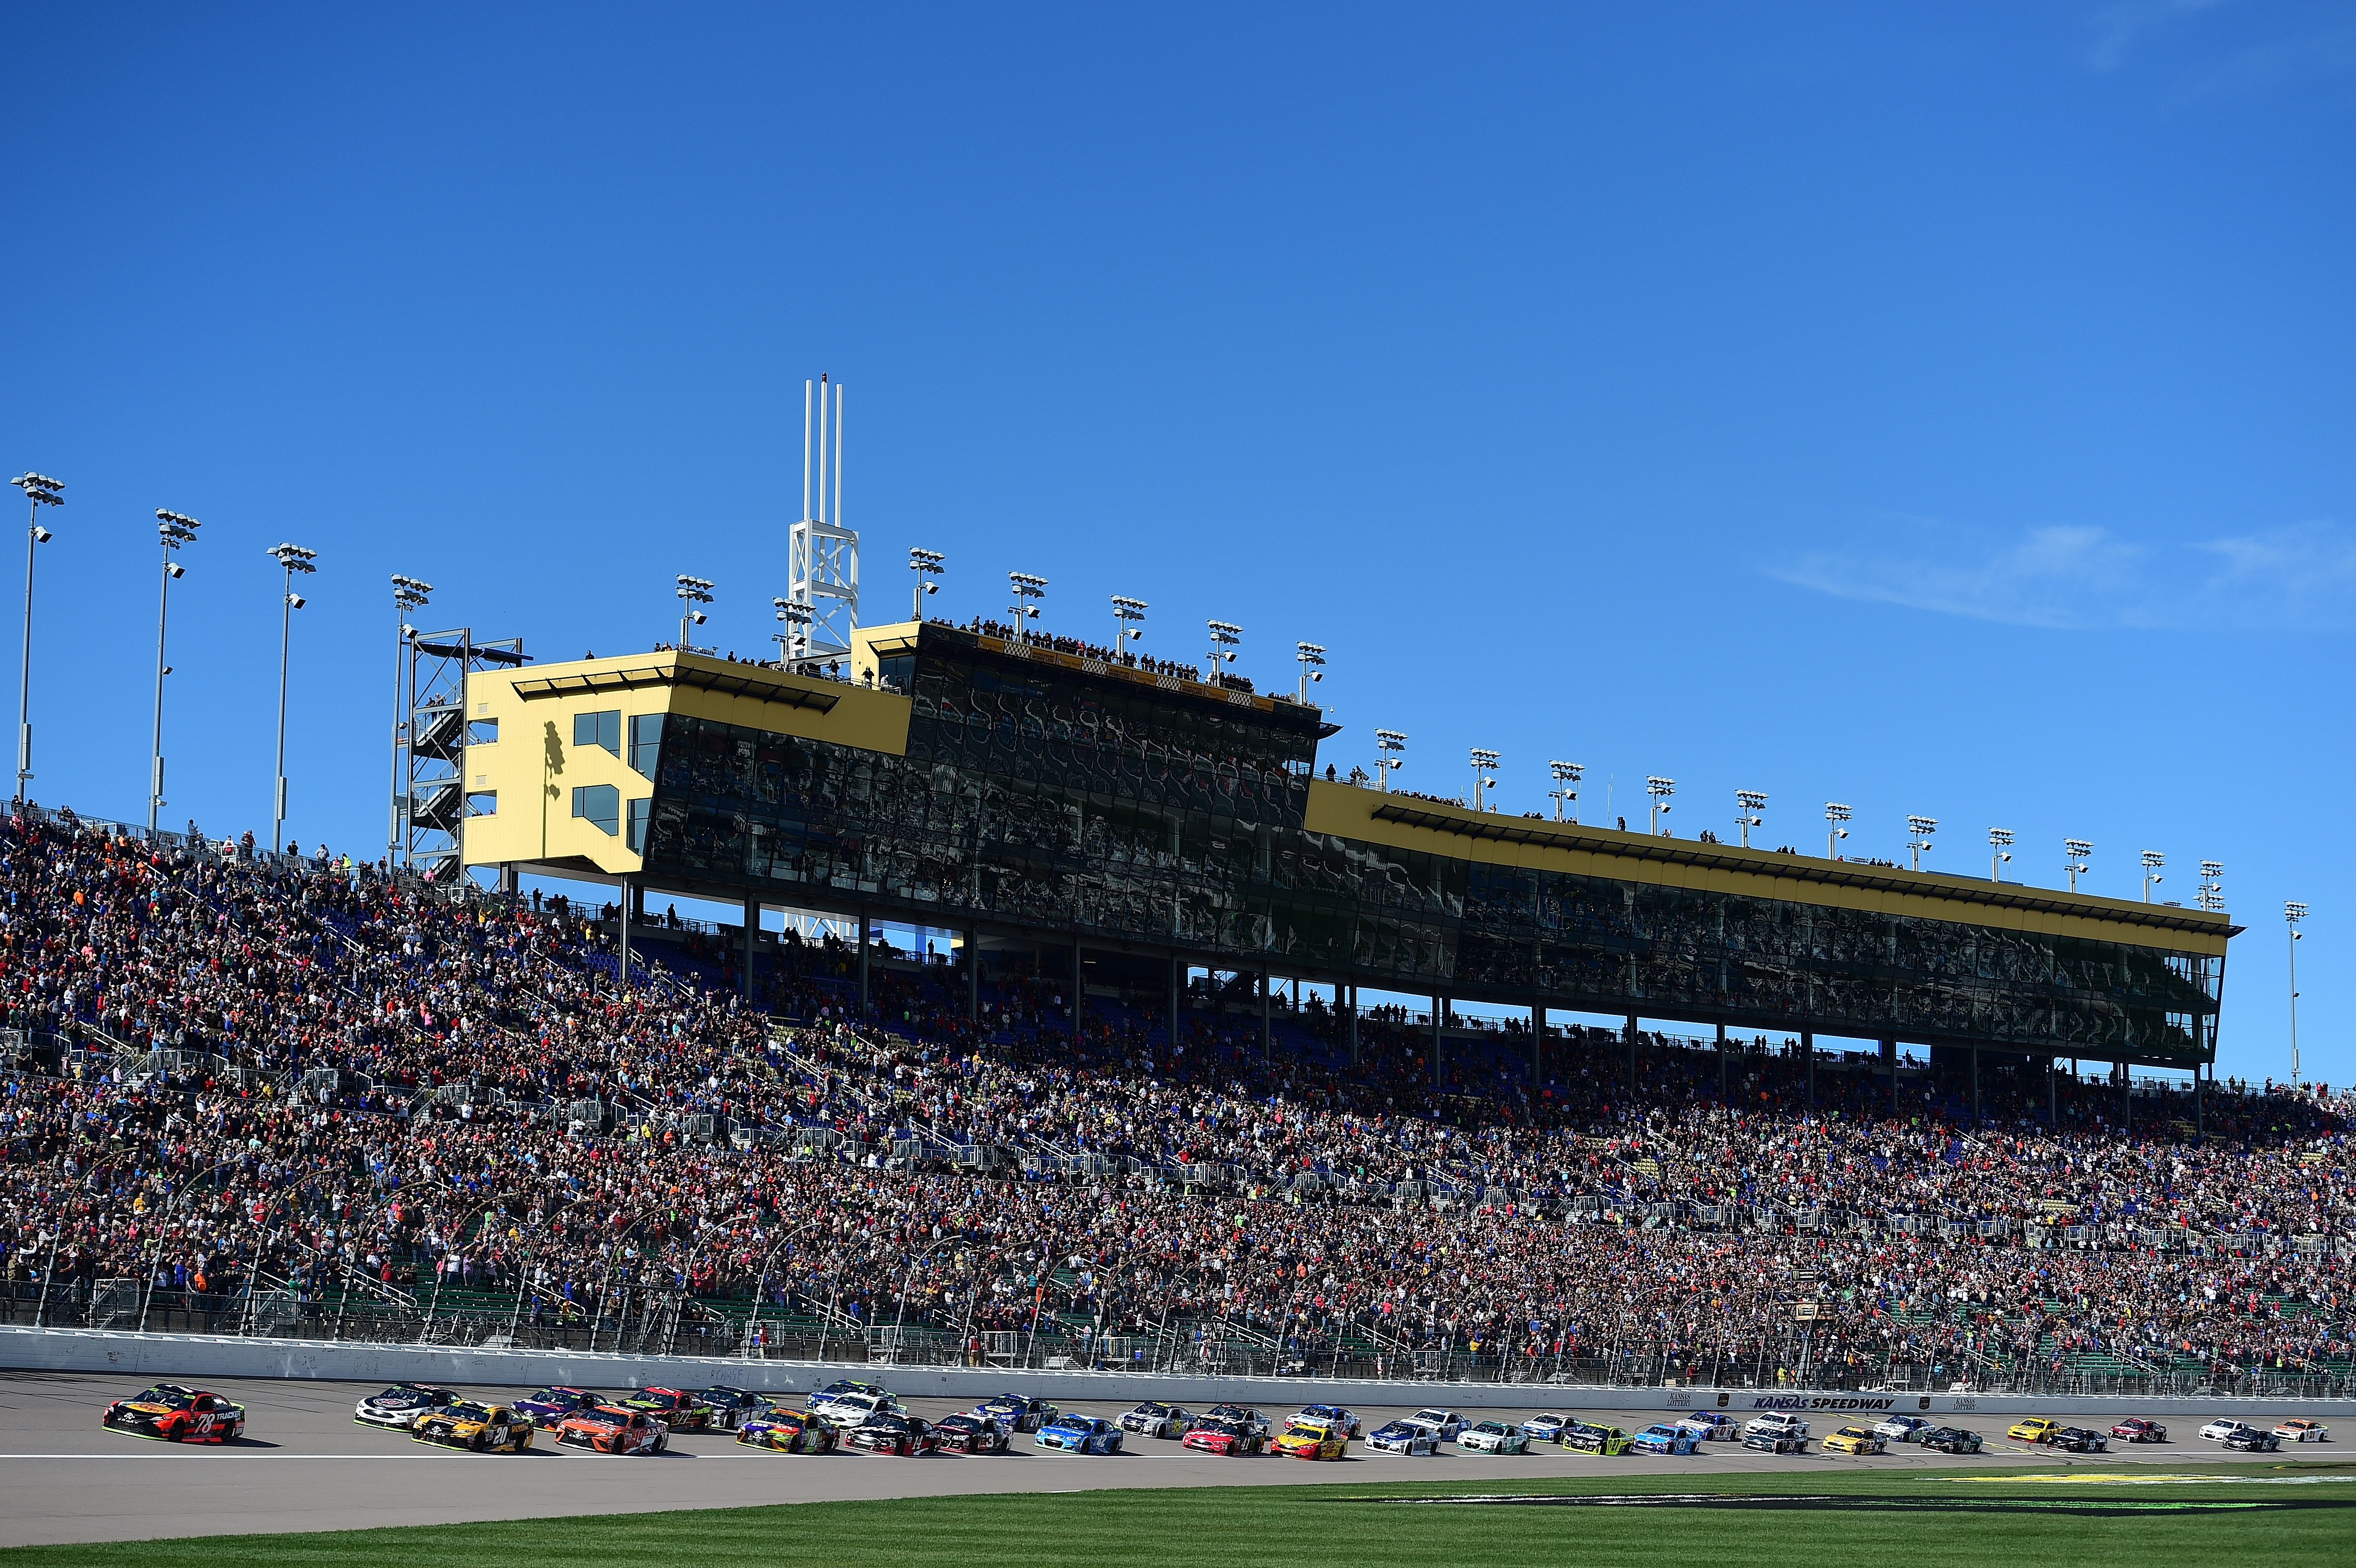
(510, 880)
(1538, 1044)
(1808, 1049)
(2052, 1097)
(1975, 1085)
(622, 933)
(1079, 989)
(1354, 1024)
(973, 976)
(1267, 1028)
(1889, 1061)
(1632, 1056)
(1722, 1061)
(1438, 1011)
(752, 938)
(2196, 1128)
(2126, 1097)
(863, 965)
(1177, 1000)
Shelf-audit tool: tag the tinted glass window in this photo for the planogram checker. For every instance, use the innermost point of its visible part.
(599, 729)
(599, 803)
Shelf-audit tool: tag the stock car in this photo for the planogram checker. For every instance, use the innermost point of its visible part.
(1346, 1421)
(731, 1407)
(969, 1435)
(2221, 1426)
(1410, 1438)
(782, 1429)
(1444, 1423)
(1950, 1440)
(1854, 1440)
(678, 1410)
(1709, 1425)
(476, 1427)
(1592, 1437)
(1901, 1428)
(845, 1385)
(2136, 1429)
(2079, 1440)
(2303, 1431)
(1073, 1433)
(1775, 1439)
(1662, 1438)
(2252, 1439)
(1014, 1412)
(1243, 1414)
(168, 1413)
(1778, 1420)
(1155, 1419)
(1234, 1439)
(549, 1406)
(849, 1411)
(1311, 1439)
(905, 1436)
(1546, 1428)
(611, 1429)
(398, 1407)
(2038, 1429)
(1493, 1437)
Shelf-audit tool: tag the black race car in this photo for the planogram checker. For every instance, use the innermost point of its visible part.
(2252, 1440)
(969, 1435)
(2081, 1440)
(1775, 1440)
(1951, 1440)
(902, 1435)
(732, 1407)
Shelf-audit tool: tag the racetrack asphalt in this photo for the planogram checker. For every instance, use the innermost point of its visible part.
(305, 1465)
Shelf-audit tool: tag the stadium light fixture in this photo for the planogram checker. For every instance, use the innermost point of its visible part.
(1999, 851)
(1917, 836)
(1126, 610)
(1835, 814)
(1748, 805)
(172, 530)
(2211, 896)
(1565, 794)
(1312, 662)
(293, 559)
(1483, 763)
(1660, 789)
(1386, 743)
(407, 594)
(795, 616)
(1225, 637)
(1025, 588)
(2078, 850)
(2293, 913)
(40, 490)
(926, 564)
(2152, 861)
(693, 591)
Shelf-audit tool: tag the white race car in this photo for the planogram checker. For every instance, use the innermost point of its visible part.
(1155, 1419)
(1493, 1437)
(851, 1411)
(1403, 1437)
(398, 1407)
(1446, 1424)
(1709, 1425)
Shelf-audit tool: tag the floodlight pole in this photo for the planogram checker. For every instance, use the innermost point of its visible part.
(172, 530)
(39, 491)
(295, 559)
(2293, 913)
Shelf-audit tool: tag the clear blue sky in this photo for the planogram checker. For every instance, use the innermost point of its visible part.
(1941, 409)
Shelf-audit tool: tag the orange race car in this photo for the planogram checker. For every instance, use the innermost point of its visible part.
(170, 1414)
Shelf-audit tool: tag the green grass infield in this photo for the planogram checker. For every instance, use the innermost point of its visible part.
(2033, 1516)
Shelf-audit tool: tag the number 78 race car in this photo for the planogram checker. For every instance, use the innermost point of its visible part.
(170, 1414)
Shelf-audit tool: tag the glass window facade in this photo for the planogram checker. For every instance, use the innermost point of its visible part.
(600, 804)
(599, 729)
(1037, 797)
(645, 742)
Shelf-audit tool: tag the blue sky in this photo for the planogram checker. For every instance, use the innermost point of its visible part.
(1942, 411)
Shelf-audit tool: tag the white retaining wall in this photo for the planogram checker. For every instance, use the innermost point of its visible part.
(210, 1357)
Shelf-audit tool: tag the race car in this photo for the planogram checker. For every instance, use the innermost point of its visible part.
(478, 1428)
(1900, 1428)
(904, 1435)
(548, 1407)
(1014, 1412)
(1242, 1415)
(2079, 1440)
(1546, 1428)
(2136, 1429)
(843, 1386)
(168, 1413)
(1589, 1437)
(1410, 1438)
(1493, 1437)
(1854, 1440)
(1782, 1421)
(1072, 1433)
(969, 1435)
(731, 1407)
(1234, 1439)
(398, 1407)
(1444, 1423)
(1311, 1439)
(854, 1410)
(2303, 1431)
(782, 1429)
(1774, 1439)
(1155, 1419)
(2252, 1440)
(1662, 1438)
(1709, 1425)
(1344, 1421)
(678, 1410)
(611, 1429)
(1949, 1440)
(2036, 1429)
(2217, 1429)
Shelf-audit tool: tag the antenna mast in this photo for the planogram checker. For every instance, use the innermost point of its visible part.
(824, 554)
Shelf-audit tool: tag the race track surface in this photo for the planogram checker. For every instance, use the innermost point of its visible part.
(305, 1465)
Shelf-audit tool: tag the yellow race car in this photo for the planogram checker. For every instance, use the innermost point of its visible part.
(478, 1428)
(1853, 1440)
(1310, 1440)
(2036, 1429)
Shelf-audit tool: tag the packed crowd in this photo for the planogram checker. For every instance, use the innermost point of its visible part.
(367, 1086)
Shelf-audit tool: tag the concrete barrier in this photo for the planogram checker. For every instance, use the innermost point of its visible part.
(210, 1357)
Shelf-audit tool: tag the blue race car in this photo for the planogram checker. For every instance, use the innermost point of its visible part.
(1709, 1425)
(1014, 1412)
(1073, 1433)
(548, 1408)
(1547, 1428)
(1662, 1438)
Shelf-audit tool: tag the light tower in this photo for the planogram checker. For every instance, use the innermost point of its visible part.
(694, 592)
(1565, 792)
(1748, 805)
(1312, 662)
(407, 594)
(1999, 851)
(2078, 850)
(40, 490)
(793, 642)
(1225, 637)
(1660, 789)
(926, 565)
(1125, 613)
(1835, 814)
(1917, 836)
(2293, 913)
(2211, 896)
(1025, 588)
(2152, 861)
(173, 530)
(1482, 763)
(1387, 742)
(824, 555)
(295, 559)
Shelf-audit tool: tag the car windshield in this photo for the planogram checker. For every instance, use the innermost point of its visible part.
(1490, 1426)
(171, 1398)
(960, 1422)
(550, 1396)
(1436, 1417)
(467, 1410)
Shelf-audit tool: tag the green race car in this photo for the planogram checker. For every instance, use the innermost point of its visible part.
(1586, 1437)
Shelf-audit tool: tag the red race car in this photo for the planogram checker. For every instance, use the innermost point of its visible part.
(1233, 1438)
(170, 1414)
(2136, 1429)
(608, 1429)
